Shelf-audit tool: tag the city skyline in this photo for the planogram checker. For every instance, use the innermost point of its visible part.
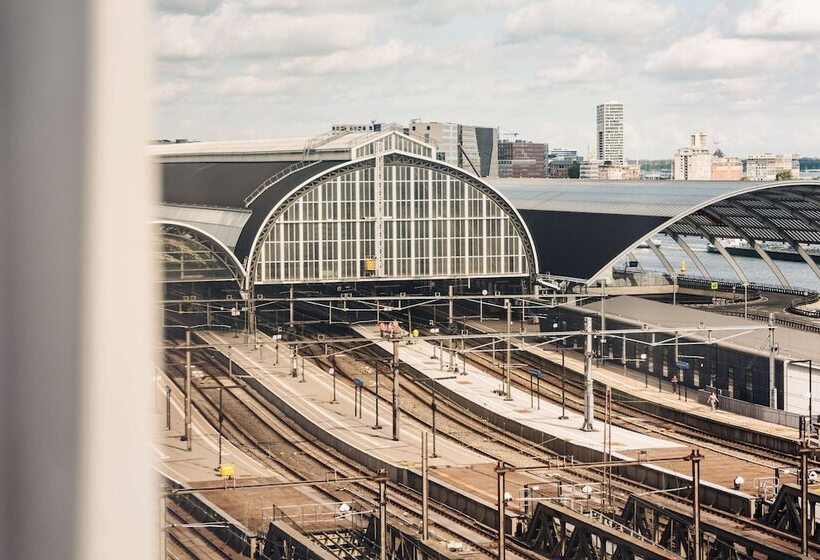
(745, 72)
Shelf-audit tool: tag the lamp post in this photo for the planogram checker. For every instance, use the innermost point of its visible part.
(508, 372)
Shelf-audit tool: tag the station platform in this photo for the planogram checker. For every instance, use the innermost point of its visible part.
(633, 382)
(174, 461)
(456, 464)
(311, 395)
(482, 388)
(197, 468)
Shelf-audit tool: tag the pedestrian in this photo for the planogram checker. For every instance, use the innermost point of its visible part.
(713, 401)
(674, 381)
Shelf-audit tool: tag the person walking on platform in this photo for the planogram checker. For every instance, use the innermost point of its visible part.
(674, 382)
(713, 401)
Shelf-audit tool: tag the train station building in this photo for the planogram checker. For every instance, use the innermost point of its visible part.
(357, 206)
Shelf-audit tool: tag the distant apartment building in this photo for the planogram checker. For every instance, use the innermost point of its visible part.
(591, 169)
(521, 159)
(610, 136)
(765, 167)
(693, 162)
(562, 153)
(608, 171)
(559, 168)
(726, 168)
(478, 152)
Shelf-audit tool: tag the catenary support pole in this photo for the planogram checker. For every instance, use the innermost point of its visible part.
(696, 536)
(772, 354)
(508, 369)
(167, 408)
(425, 489)
(450, 305)
(502, 537)
(805, 511)
(219, 429)
(396, 381)
(589, 397)
(163, 526)
(563, 388)
(188, 389)
(382, 515)
(291, 306)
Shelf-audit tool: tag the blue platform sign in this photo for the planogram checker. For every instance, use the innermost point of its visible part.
(534, 372)
(358, 382)
(682, 365)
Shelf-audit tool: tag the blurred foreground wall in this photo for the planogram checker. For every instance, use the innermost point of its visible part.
(75, 281)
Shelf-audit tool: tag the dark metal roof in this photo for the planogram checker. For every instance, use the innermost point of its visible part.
(227, 184)
(269, 199)
(215, 184)
(577, 244)
(580, 228)
(793, 343)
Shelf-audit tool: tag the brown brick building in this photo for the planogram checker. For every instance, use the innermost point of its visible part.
(522, 159)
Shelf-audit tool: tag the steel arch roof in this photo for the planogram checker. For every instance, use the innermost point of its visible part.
(210, 196)
(260, 231)
(581, 229)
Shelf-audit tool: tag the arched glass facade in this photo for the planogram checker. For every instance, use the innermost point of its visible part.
(432, 224)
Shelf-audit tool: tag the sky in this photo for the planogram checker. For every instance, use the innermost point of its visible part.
(746, 72)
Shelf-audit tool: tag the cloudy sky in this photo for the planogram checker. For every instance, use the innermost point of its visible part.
(747, 72)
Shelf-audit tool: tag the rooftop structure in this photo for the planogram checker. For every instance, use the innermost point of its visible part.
(521, 159)
(600, 223)
(610, 132)
(343, 206)
(472, 148)
(378, 206)
(765, 167)
(693, 162)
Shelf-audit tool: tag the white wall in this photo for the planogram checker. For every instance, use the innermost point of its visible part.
(796, 389)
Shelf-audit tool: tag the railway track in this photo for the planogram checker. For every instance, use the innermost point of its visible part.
(184, 542)
(501, 445)
(254, 425)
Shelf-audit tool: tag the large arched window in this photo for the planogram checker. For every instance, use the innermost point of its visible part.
(431, 222)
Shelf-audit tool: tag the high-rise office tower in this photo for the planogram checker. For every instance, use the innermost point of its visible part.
(610, 137)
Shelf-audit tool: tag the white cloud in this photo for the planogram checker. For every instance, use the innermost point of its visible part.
(707, 55)
(358, 60)
(170, 91)
(781, 19)
(629, 20)
(314, 6)
(259, 86)
(748, 104)
(231, 31)
(590, 65)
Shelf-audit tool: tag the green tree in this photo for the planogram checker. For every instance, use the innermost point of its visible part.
(784, 175)
(574, 171)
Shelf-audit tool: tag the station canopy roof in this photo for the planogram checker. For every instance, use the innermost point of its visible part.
(583, 228)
